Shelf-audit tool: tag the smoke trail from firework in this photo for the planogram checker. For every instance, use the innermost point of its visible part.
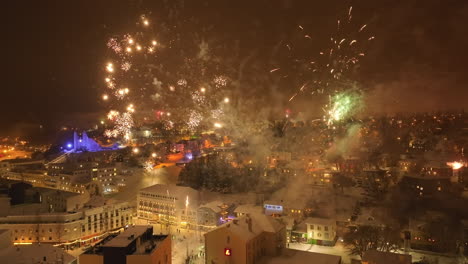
(161, 80)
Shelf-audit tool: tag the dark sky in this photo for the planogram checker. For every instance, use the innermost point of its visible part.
(53, 51)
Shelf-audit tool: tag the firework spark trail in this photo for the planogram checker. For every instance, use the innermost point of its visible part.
(137, 74)
(336, 62)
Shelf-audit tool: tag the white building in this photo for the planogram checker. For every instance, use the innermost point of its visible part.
(321, 231)
(28, 224)
(168, 204)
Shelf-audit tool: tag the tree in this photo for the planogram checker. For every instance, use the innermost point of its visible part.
(342, 181)
(367, 237)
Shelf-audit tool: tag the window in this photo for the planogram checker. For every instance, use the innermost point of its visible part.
(319, 235)
(312, 227)
(318, 228)
(326, 228)
(50, 238)
(326, 235)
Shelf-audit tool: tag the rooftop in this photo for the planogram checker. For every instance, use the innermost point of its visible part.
(320, 221)
(248, 209)
(215, 206)
(378, 257)
(291, 256)
(36, 253)
(127, 236)
(172, 190)
(258, 223)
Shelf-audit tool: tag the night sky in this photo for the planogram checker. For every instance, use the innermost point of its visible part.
(54, 50)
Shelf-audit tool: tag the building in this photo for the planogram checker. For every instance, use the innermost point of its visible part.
(379, 257)
(291, 256)
(321, 231)
(425, 186)
(36, 253)
(42, 199)
(245, 240)
(135, 245)
(29, 223)
(435, 231)
(107, 177)
(168, 204)
(212, 214)
(84, 143)
(244, 209)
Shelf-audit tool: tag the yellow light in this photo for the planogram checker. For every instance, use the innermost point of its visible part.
(154, 155)
(121, 92)
(110, 67)
(146, 22)
(107, 79)
(22, 243)
(218, 125)
(168, 114)
(203, 89)
(455, 165)
(136, 150)
(154, 42)
(226, 100)
(129, 49)
(126, 90)
(138, 47)
(105, 97)
(130, 41)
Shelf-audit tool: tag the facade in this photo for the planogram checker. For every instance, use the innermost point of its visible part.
(135, 245)
(28, 225)
(84, 143)
(76, 176)
(168, 204)
(321, 231)
(210, 214)
(426, 232)
(425, 185)
(245, 240)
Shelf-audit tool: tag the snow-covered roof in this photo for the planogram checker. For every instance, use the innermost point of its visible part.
(214, 205)
(291, 256)
(36, 253)
(320, 221)
(173, 190)
(379, 257)
(248, 209)
(127, 236)
(258, 223)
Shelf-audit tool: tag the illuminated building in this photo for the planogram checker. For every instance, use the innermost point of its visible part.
(135, 245)
(84, 143)
(245, 240)
(168, 204)
(33, 222)
(321, 231)
(213, 214)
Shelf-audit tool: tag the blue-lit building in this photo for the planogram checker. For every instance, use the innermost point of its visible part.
(84, 143)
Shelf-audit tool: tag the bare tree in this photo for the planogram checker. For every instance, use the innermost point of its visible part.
(366, 238)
